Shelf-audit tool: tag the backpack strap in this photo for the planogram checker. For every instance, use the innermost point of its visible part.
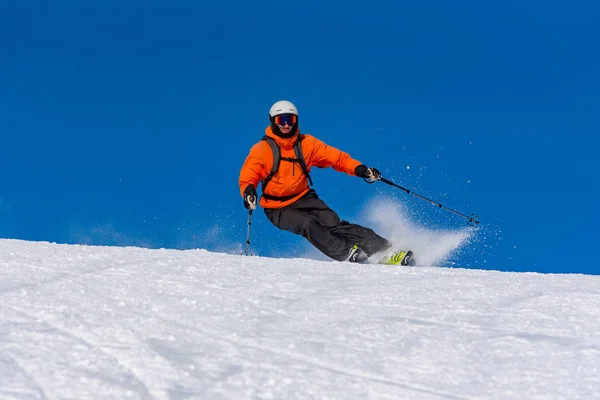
(300, 158)
(277, 160)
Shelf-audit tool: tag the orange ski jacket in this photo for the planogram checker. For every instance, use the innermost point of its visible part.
(289, 179)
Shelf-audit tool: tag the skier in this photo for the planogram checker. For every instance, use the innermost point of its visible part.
(282, 161)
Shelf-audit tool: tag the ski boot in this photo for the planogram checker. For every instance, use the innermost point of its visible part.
(403, 257)
(357, 255)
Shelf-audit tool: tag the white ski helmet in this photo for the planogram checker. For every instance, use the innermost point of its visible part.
(282, 107)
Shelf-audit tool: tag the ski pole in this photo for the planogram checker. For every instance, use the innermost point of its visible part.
(472, 220)
(247, 252)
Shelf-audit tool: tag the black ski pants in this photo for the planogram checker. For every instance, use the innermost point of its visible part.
(321, 226)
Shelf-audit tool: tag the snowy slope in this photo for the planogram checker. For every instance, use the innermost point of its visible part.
(80, 322)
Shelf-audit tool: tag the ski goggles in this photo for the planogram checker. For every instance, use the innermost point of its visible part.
(283, 119)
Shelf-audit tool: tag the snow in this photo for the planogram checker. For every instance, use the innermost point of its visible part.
(81, 322)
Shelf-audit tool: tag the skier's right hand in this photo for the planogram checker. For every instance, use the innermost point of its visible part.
(250, 198)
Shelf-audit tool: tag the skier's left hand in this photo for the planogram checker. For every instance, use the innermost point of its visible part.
(369, 174)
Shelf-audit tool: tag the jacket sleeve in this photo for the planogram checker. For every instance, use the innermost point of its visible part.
(253, 170)
(324, 156)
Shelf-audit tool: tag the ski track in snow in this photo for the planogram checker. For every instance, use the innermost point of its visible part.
(80, 322)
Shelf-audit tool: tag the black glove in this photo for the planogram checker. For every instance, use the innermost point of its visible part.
(250, 198)
(369, 174)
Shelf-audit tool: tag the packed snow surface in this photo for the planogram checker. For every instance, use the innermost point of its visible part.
(82, 322)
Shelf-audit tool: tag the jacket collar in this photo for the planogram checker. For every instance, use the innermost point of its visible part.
(284, 143)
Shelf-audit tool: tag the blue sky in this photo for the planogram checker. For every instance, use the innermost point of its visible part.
(126, 123)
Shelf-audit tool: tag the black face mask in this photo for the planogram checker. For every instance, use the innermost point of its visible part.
(277, 131)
